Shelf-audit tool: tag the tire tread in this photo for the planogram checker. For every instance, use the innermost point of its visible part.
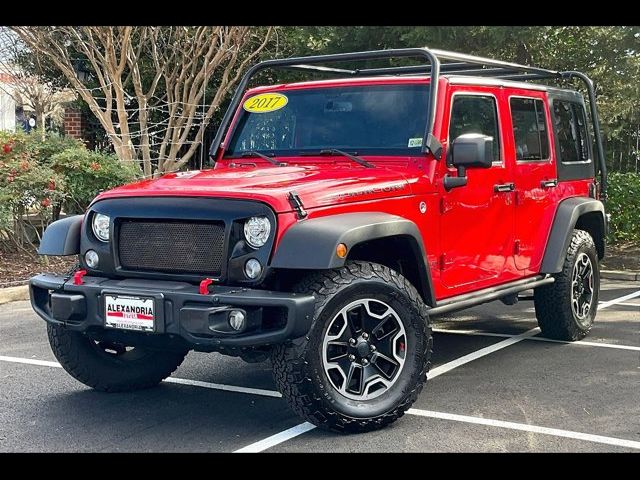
(290, 368)
(553, 302)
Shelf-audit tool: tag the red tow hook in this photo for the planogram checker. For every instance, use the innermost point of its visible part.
(204, 286)
(77, 277)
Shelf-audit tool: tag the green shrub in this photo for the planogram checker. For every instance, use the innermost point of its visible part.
(40, 177)
(623, 203)
(29, 190)
(87, 173)
(52, 144)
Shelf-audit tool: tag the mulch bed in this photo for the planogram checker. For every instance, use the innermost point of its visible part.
(625, 256)
(17, 267)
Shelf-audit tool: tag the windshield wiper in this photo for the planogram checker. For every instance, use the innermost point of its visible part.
(333, 151)
(253, 153)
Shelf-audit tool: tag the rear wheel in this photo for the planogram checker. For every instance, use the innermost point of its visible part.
(365, 359)
(109, 366)
(566, 309)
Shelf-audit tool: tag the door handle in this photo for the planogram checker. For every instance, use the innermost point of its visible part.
(549, 183)
(504, 187)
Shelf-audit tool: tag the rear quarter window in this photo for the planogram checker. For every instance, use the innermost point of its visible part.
(573, 142)
(571, 132)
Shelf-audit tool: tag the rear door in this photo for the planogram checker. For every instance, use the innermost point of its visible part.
(531, 152)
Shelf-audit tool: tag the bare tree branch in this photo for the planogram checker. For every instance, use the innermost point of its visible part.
(147, 84)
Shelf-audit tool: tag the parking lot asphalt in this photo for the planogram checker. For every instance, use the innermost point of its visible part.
(494, 386)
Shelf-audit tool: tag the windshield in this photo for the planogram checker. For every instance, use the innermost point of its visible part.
(363, 119)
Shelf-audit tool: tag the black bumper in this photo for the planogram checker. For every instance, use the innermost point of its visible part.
(182, 315)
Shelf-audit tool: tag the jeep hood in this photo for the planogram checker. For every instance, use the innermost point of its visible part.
(316, 185)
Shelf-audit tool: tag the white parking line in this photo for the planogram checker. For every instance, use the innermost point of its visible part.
(447, 367)
(227, 388)
(30, 361)
(603, 305)
(277, 438)
(181, 381)
(618, 442)
(480, 333)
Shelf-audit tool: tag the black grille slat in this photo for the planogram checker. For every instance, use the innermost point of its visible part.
(173, 247)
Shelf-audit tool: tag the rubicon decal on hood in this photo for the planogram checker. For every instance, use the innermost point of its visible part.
(371, 190)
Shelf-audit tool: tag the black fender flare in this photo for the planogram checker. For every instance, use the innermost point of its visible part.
(565, 220)
(62, 237)
(311, 244)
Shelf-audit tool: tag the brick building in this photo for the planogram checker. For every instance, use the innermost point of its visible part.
(74, 123)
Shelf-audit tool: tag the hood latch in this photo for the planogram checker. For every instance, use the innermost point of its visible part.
(296, 203)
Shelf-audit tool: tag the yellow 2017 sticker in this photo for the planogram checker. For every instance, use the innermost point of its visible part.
(265, 102)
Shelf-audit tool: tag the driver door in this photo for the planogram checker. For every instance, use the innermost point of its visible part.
(478, 218)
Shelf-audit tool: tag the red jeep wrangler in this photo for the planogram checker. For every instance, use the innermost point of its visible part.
(339, 217)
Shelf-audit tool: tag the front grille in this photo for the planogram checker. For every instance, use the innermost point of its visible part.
(173, 247)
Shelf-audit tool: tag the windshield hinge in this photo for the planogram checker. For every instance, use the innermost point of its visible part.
(434, 146)
(297, 205)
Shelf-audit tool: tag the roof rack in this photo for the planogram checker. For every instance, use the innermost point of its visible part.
(435, 63)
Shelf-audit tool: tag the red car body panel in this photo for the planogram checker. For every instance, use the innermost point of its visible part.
(474, 237)
(319, 182)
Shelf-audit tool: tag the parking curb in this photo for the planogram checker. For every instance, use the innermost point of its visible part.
(620, 275)
(12, 294)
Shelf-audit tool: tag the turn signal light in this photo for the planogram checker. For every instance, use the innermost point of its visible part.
(341, 250)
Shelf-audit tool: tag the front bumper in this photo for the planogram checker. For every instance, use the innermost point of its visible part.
(182, 315)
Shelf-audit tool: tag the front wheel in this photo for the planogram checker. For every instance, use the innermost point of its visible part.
(365, 359)
(566, 309)
(109, 366)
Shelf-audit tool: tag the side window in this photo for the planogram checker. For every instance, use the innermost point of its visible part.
(475, 114)
(529, 129)
(571, 132)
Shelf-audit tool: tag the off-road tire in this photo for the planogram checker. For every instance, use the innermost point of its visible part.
(83, 360)
(555, 315)
(297, 365)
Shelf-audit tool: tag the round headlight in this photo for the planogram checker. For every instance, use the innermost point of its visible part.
(257, 230)
(100, 225)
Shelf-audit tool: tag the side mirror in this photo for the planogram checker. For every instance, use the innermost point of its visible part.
(471, 150)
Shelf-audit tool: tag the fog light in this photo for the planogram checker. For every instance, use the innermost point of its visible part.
(253, 268)
(237, 320)
(91, 258)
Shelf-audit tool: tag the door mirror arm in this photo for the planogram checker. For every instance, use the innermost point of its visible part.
(450, 182)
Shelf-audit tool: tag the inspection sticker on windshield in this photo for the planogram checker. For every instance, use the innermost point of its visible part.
(265, 102)
(415, 142)
(129, 313)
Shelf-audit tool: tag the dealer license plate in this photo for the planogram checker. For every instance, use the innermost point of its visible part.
(129, 313)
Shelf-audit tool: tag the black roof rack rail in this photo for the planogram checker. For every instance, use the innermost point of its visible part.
(435, 62)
